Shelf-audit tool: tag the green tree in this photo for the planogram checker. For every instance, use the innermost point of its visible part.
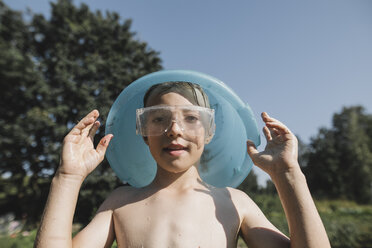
(19, 81)
(54, 71)
(250, 185)
(340, 158)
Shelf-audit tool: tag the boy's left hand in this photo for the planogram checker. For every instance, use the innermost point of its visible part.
(281, 151)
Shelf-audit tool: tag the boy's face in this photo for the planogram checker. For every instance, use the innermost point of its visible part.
(174, 150)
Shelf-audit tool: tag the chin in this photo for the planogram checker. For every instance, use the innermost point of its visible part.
(176, 166)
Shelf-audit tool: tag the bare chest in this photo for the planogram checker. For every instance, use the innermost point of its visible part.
(191, 221)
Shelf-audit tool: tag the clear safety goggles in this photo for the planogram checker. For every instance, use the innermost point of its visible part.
(191, 120)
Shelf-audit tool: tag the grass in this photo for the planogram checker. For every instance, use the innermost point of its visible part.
(20, 241)
(23, 239)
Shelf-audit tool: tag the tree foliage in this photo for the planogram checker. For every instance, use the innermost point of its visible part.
(250, 184)
(339, 163)
(52, 72)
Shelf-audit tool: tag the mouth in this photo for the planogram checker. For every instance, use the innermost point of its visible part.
(175, 149)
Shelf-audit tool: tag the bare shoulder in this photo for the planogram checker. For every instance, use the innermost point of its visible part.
(237, 193)
(256, 229)
(100, 231)
(237, 200)
(118, 197)
(252, 216)
(241, 200)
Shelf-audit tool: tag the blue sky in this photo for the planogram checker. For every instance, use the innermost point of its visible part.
(300, 61)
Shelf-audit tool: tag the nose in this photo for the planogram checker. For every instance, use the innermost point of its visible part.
(174, 130)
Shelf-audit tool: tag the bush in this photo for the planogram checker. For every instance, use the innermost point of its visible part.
(347, 223)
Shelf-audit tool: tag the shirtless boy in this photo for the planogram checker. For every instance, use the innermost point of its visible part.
(178, 209)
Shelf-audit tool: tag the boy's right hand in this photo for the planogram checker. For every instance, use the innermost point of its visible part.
(79, 158)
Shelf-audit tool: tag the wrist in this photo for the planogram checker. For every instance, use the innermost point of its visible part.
(71, 179)
(291, 174)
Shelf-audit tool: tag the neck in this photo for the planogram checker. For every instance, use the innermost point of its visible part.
(189, 179)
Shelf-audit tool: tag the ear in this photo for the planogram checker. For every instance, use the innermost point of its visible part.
(210, 134)
(208, 139)
(145, 139)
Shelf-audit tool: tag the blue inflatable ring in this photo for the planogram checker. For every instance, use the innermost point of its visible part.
(224, 162)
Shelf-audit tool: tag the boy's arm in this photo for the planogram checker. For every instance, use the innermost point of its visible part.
(78, 159)
(100, 231)
(256, 229)
(279, 160)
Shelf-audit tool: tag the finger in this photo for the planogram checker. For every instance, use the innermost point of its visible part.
(275, 131)
(267, 133)
(87, 121)
(79, 127)
(252, 150)
(266, 118)
(103, 144)
(253, 153)
(86, 131)
(93, 130)
(280, 127)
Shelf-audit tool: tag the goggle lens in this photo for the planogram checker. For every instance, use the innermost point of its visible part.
(157, 120)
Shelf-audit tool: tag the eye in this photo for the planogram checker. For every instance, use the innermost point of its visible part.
(191, 118)
(158, 119)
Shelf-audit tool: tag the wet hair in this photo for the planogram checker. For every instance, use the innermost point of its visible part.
(191, 91)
